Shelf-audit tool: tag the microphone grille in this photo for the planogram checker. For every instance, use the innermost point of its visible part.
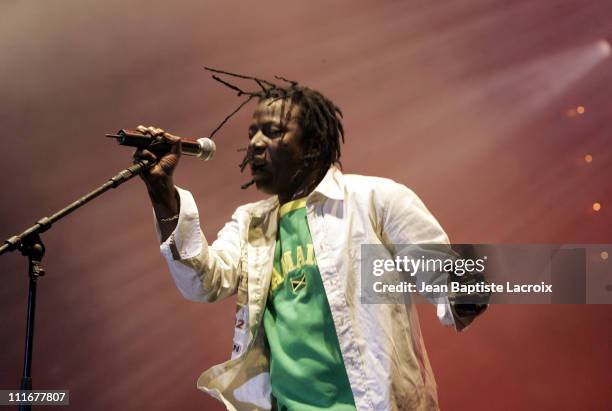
(207, 148)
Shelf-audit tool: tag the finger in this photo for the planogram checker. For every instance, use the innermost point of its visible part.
(175, 143)
(171, 139)
(138, 154)
(154, 131)
(157, 131)
(142, 154)
(145, 130)
(149, 155)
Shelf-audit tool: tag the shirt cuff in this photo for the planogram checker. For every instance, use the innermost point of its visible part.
(186, 240)
(445, 313)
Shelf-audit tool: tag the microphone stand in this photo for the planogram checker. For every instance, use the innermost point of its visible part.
(31, 246)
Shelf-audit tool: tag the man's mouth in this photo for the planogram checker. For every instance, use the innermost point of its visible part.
(257, 167)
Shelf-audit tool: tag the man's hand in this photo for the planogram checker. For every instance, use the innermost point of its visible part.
(164, 167)
(158, 179)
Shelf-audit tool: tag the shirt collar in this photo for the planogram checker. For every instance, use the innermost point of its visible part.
(332, 185)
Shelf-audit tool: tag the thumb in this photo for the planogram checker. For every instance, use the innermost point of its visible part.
(175, 142)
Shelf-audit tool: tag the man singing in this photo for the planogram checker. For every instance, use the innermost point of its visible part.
(303, 340)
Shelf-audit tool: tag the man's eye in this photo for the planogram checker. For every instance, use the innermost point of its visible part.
(274, 132)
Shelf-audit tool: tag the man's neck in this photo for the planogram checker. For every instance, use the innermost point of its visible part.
(308, 183)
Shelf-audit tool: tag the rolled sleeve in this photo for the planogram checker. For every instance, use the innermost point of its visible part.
(201, 272)
(186, 240)
(408, 222)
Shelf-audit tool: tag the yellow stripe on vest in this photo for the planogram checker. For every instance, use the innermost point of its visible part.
(291, 205)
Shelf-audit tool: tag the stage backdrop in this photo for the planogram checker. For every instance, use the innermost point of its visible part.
(486, 108)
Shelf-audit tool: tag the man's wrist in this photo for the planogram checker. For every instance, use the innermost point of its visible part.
(166, 205)
(165, 199)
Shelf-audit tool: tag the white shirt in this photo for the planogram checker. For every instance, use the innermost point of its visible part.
(381, 344)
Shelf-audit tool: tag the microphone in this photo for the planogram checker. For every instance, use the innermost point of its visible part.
(203, 148)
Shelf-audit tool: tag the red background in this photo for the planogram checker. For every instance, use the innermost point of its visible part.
(465, 102)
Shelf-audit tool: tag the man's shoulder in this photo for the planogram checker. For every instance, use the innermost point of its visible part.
(377, 192)
(258, 207)
(371, 184)
(357, 179)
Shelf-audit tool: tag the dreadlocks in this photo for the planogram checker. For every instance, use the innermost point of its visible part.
(319, 118)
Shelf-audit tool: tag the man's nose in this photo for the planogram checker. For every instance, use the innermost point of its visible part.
(257, 144)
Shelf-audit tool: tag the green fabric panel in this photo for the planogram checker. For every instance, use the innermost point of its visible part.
(306, 366)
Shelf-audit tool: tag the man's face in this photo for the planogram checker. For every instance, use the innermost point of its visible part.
(276, 146)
